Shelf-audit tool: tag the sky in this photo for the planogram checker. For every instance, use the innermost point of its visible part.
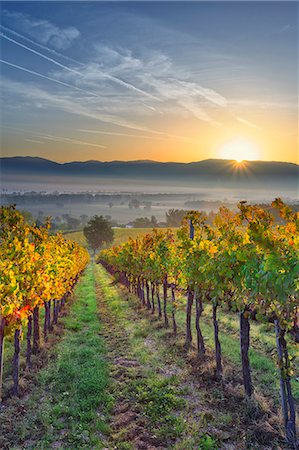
(165, 81)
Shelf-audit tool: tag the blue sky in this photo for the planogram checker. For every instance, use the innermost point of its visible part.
(148, 80)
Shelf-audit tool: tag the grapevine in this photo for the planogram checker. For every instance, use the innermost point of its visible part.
(245, 262)
(36, 268)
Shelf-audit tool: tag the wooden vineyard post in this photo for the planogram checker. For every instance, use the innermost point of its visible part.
(166, 323)
(244, 347)
(158, 300)
(173, 309)
(199, 309)
(190, 297)
(153, 297)
(16, 362)
(191, 229)
(287, 401)
(217, 342)
(36, 334)
(47, 320)
(148, 302)
(28, 339)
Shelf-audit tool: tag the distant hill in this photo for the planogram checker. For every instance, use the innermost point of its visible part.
(212, 171)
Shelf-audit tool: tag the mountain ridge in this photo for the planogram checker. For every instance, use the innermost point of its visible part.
(140, 161)
(210, 172)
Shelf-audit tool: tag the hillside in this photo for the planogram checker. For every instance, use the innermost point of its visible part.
(211, 170)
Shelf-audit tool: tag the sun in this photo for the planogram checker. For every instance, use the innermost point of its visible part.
(239, 150)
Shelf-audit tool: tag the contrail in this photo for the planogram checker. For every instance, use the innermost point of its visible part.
(24, 69)
(55, 138)
(72, 141)
(40, 54)
(54, 52)
(109, 77)
(44, 47)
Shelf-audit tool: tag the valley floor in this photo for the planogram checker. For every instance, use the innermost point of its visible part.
(115, 378)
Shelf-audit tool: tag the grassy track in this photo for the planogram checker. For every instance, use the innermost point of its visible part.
(68, 402)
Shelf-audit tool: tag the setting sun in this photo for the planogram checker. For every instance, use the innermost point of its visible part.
(239, 150)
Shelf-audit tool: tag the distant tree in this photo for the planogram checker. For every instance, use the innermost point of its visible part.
(97, 232)
(154, 221)
(84, 218)
(145, 222)
(73, 223)
(27, 216)
(134, 203)
(174, 217)
(147, 205)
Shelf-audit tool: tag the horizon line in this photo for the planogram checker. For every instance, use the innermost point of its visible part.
(146, 160)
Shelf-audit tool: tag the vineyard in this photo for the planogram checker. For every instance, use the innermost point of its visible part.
(245, 263)
(36, 271)
(118, 376)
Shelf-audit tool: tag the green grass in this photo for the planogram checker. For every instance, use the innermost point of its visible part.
(70, 404)
(263, 346)
(158, 396)
(121, 235)
(262, 351)
(72, 396)
(165, 392)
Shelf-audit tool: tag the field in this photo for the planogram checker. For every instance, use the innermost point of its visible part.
(121, 235)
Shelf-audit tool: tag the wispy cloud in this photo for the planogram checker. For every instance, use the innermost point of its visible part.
(68, 140)
(249, 124)
(263, 105)
(79, 72)
(43, 31)
(285, 29)
(51, 137)
(37, 44)
(34, 141)
(40, 75)
(155, 74)
(114, 76)
(46, 100)
(115, 133)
